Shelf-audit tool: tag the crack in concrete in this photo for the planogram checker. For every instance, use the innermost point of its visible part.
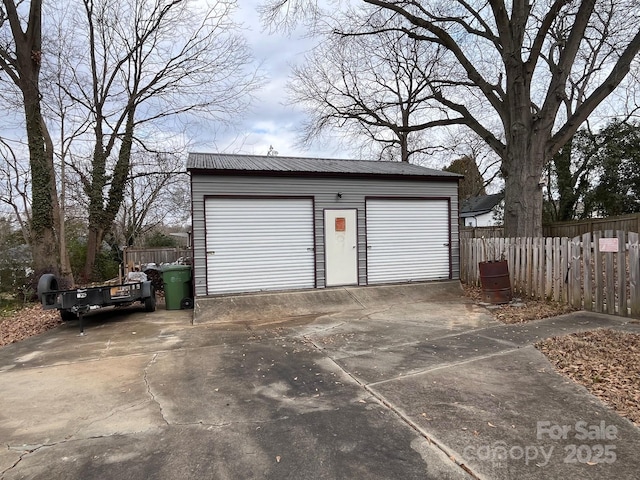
(146, 381)
(109, 415)
(29, 449)
(21, 457)
(414, 373)
(399, 414)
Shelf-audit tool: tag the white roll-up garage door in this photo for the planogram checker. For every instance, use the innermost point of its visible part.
(407, 240)
(258, 244)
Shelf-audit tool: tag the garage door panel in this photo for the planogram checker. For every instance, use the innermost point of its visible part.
(407, 240)
(259, 244)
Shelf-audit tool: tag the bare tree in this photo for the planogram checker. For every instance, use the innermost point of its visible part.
(377, 88)
(20, 60)
(141, 64)
(14, 186)
(156, 195)
(540, 67)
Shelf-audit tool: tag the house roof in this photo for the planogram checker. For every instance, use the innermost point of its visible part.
(474, 206)
(218, 163)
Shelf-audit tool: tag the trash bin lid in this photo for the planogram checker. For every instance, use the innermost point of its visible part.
(168, 268)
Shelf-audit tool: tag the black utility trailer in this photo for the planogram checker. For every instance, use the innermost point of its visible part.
(73, 304)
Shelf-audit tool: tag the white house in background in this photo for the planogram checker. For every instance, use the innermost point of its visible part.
(481, 211)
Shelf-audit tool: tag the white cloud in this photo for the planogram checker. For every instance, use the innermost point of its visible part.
(271, 122)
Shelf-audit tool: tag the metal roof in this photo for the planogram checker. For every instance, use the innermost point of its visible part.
(254, 164)
(475, 206)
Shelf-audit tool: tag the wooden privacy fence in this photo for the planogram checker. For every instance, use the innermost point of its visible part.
(160, 255)
(628, 223)
(598, 271)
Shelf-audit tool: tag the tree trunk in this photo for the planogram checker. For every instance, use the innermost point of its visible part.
(523, 191)
(101, 216)
(404, 146)
(24, 70)
(44, 199)
(94, 242)
(65, 263)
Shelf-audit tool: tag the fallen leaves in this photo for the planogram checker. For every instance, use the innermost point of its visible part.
(527, 310)
(605, 361)
(26, 322)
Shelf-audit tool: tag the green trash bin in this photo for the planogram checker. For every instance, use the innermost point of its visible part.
(177, 286)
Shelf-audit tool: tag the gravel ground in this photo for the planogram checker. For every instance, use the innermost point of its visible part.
(606, 362)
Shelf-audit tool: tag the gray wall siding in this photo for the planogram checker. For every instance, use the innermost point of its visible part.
(324, 191)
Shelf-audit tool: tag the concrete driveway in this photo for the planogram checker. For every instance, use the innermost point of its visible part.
(417, 383)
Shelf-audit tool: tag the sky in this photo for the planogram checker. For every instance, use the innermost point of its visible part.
(270, 122)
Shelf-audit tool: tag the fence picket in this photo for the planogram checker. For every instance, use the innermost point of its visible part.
(511, 262)
(610, 283)
(541, 270)
(622, 273)
(548, 256)
(575, 293)
(556, 269)
(597, 269)
(564, 269)
(588, 271)
(517, 273)
(535, 266)
(529, 265)
(634, 274)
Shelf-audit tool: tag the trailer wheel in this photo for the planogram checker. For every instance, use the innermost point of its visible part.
(68, 315)
(150, 302)
(48, 283)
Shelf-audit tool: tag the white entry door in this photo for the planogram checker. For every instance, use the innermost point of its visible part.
(341, 247)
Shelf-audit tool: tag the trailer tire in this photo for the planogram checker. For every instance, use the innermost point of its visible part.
(68, 315)
(48, 283)
(150, 302)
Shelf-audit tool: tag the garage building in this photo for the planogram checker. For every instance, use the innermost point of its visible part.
(264, 223)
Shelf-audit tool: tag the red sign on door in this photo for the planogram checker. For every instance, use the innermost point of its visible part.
(341, 224)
